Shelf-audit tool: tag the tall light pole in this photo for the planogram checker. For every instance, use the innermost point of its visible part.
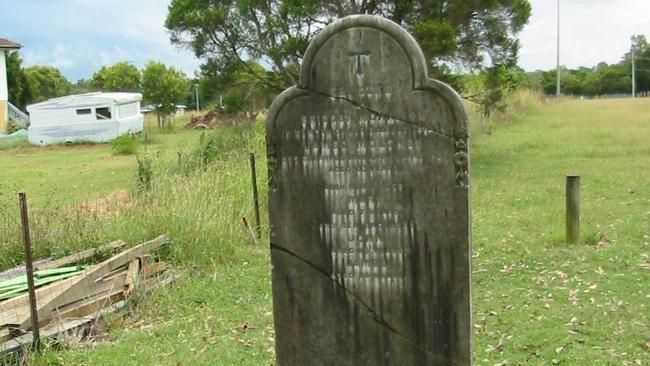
(633, 70)
(557, 82)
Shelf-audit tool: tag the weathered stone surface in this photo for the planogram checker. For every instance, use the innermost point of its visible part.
(369, 206)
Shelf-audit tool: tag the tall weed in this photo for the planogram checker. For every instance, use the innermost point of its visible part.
(517, 104)
(201, 208)
(145, 173)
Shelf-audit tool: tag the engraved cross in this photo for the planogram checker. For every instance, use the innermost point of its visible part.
(358, 52)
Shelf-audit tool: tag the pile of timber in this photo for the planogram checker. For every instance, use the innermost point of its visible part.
(73, 296)
(215, 118)
(207, 120)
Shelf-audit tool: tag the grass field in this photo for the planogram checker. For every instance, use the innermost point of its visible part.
(55, 175)
(536, 300)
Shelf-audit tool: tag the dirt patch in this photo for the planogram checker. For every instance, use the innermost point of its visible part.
(106, 206)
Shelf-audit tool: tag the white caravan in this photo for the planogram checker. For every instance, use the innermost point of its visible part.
(96, 117)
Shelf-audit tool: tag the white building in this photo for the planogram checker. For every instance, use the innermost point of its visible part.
(96, 117)
(5, 46)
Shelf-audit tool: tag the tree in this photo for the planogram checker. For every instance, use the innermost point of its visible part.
(469, 34)
(46, 82)
(214, 80)
(614, 80)
(20, 93)
(120, 77)
(83, 86)
(164, 87)
(601, 80)
(236, 90)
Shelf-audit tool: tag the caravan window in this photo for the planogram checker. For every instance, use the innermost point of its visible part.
(103, 113)
(83, 111)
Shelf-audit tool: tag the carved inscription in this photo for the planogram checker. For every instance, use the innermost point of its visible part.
(360, 156)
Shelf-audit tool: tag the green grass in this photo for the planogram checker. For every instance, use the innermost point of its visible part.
(60, 175)
(220, 308)
(536, 300)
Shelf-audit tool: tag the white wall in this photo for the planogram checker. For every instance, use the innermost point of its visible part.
(63, 117)
(4, 94)
(56, 117)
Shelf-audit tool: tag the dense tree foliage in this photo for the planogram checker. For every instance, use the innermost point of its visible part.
(600, 80)
(120, 77)
(237, 90)
(227, 34)
(46, 82)
(83, 86)
(163, 86)
(20, 92)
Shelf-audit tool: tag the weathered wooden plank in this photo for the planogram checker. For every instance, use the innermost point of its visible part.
(80, 286)
(85, 254)
(84, 305)
(4, 334)
(114, 273)
(18, 307)
(88, 306)
(18, 343)
(20, 313)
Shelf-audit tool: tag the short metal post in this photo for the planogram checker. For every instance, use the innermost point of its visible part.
(29, 268)
(572, 208)
(256, 204)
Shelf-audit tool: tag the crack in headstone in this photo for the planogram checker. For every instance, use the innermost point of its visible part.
(373, 314)
(381, 114)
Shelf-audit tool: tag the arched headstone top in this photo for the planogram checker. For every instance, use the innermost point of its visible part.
(408, 43)
(416, 60)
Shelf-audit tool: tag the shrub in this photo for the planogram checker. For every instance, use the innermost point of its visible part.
(124, 145)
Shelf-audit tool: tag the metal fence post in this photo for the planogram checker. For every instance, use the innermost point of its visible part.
(29, 268)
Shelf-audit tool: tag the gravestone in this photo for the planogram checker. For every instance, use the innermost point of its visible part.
(369, 206)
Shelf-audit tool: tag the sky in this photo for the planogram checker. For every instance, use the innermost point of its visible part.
(591, 31)
(79, 36)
